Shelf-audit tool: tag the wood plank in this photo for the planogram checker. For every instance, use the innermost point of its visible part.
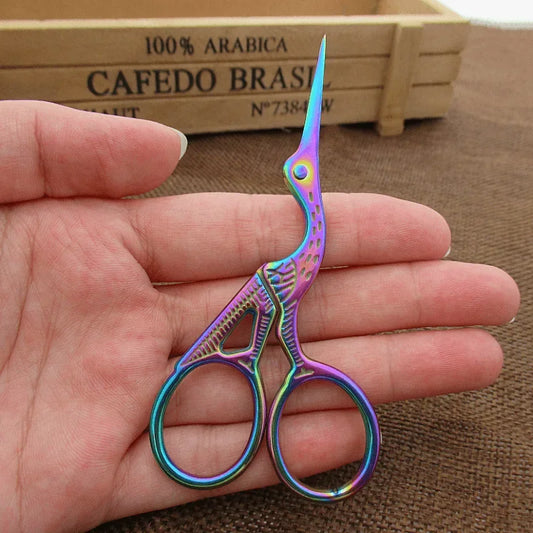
(119, 42)
(64, 84)
(444, 35)
(249, 112)
(426, 101)
(436, 68)
(441, 8)
(405, 7)
(98, 9)
(404, 56)
(130, 42)
(103, 9)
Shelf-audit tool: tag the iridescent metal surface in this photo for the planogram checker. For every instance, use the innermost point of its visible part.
(272, 296)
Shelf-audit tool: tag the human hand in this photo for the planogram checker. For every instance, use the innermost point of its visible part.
(85, 336)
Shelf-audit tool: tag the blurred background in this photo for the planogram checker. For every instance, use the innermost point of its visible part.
(509, 13)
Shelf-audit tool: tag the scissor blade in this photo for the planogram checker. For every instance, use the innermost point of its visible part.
(314, 109)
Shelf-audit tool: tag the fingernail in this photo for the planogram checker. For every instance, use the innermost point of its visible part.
(447, 253)
(183, 142)
(512, 320)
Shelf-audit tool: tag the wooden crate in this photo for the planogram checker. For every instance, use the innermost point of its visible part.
(221, 67)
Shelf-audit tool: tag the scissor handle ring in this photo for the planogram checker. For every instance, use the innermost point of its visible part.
(158, 414)
(373, 435)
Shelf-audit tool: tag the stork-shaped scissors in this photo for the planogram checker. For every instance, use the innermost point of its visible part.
(272, 296)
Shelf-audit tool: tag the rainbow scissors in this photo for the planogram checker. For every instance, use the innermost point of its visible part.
(272, 296)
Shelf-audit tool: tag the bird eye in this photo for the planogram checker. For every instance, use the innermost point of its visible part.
(300, 172)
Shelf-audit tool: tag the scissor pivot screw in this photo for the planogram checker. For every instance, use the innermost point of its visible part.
(300, 172)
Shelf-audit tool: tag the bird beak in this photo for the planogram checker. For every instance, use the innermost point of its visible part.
(311, 131)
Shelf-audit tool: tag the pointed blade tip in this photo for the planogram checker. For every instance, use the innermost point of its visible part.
(322, 51)
(313, 115)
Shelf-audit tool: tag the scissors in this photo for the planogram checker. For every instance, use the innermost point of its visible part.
(272, 296)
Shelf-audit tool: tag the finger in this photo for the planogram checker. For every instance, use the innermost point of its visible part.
(311, 443)
(366, 300)
(206, 236)
(387, 367)
(51, 150)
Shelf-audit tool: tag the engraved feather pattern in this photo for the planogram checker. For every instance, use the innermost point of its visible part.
(252, 297)
(282, 278)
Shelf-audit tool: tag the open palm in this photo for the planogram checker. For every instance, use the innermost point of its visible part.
(86, 336)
